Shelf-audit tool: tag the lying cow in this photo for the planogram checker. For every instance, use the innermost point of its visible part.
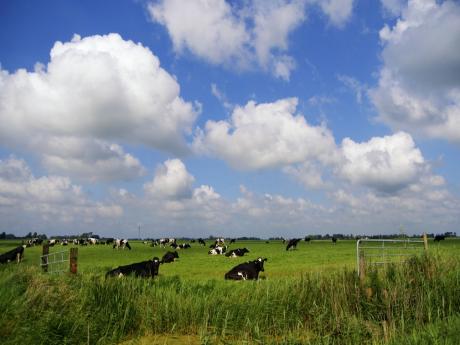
(237, 252)
(184, 246)
(293, 243)
(169, 257)
(14, 254)
(247, 270)
(218, 250)
(144, 269)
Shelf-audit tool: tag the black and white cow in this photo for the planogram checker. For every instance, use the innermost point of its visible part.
(92, 240)
(169, 257)
(16, 254)
(247, 270)
(184, 246)
(334, 240)
(202, 242)
(121, 244)
(218, 250)
(51, 243)
(232, 241)
(237, 252)
(144, 269)
(292, 243)
(307, 239)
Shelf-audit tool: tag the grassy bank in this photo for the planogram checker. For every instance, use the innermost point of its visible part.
(414, 302)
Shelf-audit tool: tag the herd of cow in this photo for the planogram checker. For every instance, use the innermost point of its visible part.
(150, 268)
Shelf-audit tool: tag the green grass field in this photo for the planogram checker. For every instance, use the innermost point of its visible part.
(308, 296)
(196, 264)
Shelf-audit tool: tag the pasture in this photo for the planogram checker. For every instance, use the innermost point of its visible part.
(307, 296)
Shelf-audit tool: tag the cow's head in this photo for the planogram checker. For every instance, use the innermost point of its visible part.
(156, 265)
(260, 263)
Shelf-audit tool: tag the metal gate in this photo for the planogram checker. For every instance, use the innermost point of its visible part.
(55, 262)
(382, 252)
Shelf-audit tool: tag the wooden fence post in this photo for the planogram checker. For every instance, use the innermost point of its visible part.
(362, 267)
(46, 251)
(73, 260)
(425, 241)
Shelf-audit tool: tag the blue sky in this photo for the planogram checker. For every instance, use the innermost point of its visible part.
(232, 118)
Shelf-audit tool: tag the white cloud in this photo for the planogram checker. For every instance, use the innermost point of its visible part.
(419, 88)
(386, 164)
(209, 29)
(393, 7)
(98, 88)
(171, 181)
(241, 35)
(338, 11)
(308, 174)
(266, 135)
(47, 199)
(89, 159)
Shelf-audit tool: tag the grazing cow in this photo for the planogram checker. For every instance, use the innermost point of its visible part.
(82, 242)
(192, 241)
(292, 243)
(247, 270)
(218, 250)
(51, 243)
(202, 242)
(14, 254)
(334, 240)
(169, 257)
(174, 245)
(92, 240)
(237, 252)
(64, 242)
(439, 238)
(121, 244)
(307, 239)
(184, 246)
(144, 269)
(232, 241)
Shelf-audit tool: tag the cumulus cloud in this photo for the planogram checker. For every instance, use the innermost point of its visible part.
(243, 34)
(393, 7)
(95, 89)
(386, 164)
(172, 181)
(89, 159)
(419, 88)
(47, 198)
(265, 135)
(338, 11)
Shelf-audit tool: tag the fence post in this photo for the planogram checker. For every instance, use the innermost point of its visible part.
(362, 267)
(73, 260)
(45, 252)
(425, 241)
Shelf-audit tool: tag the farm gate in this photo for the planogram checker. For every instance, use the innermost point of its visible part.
(59, 262)
(382, 252)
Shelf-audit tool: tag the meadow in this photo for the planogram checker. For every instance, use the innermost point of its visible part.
(308, 296)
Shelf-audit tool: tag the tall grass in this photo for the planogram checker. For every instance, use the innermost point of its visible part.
(413, 301)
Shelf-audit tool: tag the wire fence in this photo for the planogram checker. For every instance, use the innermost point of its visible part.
(382, 252)
(55, 262)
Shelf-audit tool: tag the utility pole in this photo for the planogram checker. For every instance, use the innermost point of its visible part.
(139, 230)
